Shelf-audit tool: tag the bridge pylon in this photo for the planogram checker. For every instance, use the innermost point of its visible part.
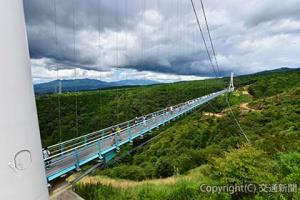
(231, 86)
(22, 168)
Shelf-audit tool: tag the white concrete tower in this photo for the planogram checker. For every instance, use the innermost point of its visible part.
(231, 86)
(22, 170)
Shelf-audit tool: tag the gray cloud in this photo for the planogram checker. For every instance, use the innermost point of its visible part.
(162, 36)
(269, 10)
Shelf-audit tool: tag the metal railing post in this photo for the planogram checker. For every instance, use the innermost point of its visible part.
(62, 148)
(99, 145)
(116, 140)
(85, 139)
(76, 159)
(129, 132)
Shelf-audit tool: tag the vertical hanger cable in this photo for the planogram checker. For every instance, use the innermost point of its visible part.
(57, 72)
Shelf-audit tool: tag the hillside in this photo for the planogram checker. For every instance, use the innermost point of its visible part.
(103, 108)
(210, 149)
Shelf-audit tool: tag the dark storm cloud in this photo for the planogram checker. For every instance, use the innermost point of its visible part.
(162, 36)
(70, 17)
(96, 15)
(194, 64)
(87, 13)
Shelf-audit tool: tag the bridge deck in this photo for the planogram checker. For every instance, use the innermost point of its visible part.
(74, 153)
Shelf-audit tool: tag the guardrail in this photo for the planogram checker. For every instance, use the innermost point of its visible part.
(71, 154)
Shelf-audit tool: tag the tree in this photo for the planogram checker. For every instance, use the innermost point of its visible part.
(164, 168)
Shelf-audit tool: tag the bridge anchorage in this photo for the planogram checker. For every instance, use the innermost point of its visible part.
(104, 144)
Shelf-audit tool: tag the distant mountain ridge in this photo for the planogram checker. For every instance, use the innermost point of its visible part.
(282, 69)
(135, 82)
(93, 84)
(86, 84)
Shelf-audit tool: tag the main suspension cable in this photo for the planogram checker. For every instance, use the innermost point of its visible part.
(203, 38)
(210, 38)
(214, 53)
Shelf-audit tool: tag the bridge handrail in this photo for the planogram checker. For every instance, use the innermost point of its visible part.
(101, 138)
(101, 131)
(95, 140)
(104, 135)
(88, 143)
(83, 151)
(109, 128)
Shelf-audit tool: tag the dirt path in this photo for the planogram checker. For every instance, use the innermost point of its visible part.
(67, 195)
(245, 107)
(244, 90)
(209, 114)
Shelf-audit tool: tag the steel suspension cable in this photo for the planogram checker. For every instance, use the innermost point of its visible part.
(214, 53)
(126, 39)
(236, 120)
(203, 38)
(143, 58)
(117, 60)
(168, 56)
(210, 38)
(57, 73)
(75, 69)
(99, 62)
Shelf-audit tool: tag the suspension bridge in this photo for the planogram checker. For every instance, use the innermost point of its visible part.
(26, 169)
(104, 144)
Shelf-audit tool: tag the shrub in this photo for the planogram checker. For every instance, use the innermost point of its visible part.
(164, 168)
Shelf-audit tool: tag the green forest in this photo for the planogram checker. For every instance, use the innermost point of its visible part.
(204, 147)
(68, 115)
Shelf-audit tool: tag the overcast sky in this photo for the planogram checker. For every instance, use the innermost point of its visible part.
(158, 39)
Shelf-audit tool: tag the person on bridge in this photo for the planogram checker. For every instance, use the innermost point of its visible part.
(136, 121)
(113, 141)
(113, 130)
(46, 156)
(119, 131)
(167, 110)
(144, 120)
